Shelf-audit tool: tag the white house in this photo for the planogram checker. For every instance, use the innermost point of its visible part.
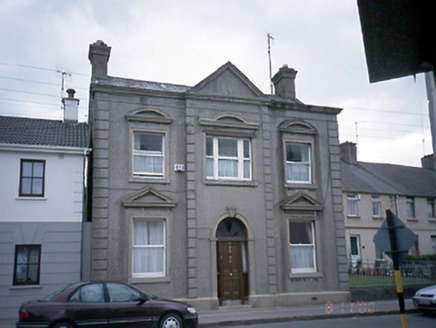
(43, 165)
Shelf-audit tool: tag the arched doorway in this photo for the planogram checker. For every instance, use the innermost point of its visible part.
(232, 266)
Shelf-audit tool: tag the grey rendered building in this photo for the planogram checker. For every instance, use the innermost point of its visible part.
(217, 193)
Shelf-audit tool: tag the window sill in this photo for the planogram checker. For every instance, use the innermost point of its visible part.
(302, 185)
(377, 218)
(143, 280)
(432, 220)
(230, 183)
(305, 275)
(143, 179)
(412, 219)
(31, 198)
(352, 217)
(19, 287)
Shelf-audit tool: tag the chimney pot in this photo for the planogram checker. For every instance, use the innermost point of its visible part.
(71, 93)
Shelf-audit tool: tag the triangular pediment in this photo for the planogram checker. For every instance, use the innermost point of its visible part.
(301, 201)
(227, 81)
(148, 197)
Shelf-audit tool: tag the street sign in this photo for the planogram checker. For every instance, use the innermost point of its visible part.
(404, 236)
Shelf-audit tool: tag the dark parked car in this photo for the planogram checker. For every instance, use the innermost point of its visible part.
(105, 304)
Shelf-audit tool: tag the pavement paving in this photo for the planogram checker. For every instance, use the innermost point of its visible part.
(246, 315)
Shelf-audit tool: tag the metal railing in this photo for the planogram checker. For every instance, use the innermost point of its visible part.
(380, 273)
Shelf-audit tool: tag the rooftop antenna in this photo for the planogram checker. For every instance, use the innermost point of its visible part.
(63, 75)
(270, 37)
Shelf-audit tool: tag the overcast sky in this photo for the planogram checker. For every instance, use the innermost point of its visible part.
(182, 42)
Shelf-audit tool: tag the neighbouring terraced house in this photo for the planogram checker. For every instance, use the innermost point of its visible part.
(42, 217)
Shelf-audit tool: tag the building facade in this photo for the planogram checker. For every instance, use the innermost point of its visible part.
(369, 189)
(217, 193)
(41, 207)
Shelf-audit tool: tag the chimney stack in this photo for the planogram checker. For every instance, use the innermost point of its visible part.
(348, 152)
(99, 56)
(284, 82)
(71, 107)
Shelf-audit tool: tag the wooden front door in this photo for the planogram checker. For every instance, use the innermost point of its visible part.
(231, 280)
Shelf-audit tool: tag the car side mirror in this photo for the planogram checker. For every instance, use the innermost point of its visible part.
(142, 300)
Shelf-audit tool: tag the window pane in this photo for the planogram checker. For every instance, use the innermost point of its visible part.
(297, 172)
(209, 167)
(23, 254)
(27, 169)
(246, 149)
(148, 260)
(38, 169)
(92, 293)
(26, 186)
(301, 233)
(148, 164)
(209, 146)
(297, 153)
(228, 168)
(247, 169)
(148, 142)
(122, 293)
(302, 257)
(228, 147)
(37, 187)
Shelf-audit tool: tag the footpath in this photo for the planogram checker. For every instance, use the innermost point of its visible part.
(245, 315)
(242, 315)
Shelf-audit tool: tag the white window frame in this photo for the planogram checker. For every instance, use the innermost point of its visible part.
(353, 199)
(312, 245)
(431, 208)
(144, 153)
(240, 159)
(376, 206)
(307, 163)
(410, 207)
(163, 246)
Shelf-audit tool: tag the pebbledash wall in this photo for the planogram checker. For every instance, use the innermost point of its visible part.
(205, 216)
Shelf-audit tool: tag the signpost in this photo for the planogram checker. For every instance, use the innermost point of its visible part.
(395, 240)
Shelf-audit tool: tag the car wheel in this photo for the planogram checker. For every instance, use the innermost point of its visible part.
(171, 320)
(63, 325)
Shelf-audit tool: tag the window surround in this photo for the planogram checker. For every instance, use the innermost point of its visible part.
(299, 141)
(241, 159)
(32, 178)
(355, 199)
(410, 208)
(150, 178)
(28, 263)
(308, 217)
(431, 210)
(229, 125)
(300, 207)
(376, 201)
(151, 278)
(299, 131)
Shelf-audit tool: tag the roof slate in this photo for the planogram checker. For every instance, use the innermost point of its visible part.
(30, 131)
(388, 179)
